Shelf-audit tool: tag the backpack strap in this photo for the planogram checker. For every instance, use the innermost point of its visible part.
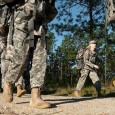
(31, 25)
(88, 53)
(12, 7)
(11, 29)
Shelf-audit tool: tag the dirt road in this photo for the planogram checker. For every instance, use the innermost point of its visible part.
(62, 105)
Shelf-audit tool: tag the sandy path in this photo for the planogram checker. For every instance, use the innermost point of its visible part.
(62, 105)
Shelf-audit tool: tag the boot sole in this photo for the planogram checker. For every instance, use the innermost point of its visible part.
(43, 106)
(40, 107)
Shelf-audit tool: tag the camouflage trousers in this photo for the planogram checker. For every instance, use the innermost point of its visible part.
(4, 69)
(94, 77)
(18, 55)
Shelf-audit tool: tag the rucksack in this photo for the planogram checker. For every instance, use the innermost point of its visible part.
(80, 58)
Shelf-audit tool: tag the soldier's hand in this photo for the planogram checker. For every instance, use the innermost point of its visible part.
(96, 66)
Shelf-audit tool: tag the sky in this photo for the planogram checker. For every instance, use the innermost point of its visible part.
(74, 10)
(59, 38)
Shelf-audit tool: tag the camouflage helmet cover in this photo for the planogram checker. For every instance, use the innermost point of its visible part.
(93, 42)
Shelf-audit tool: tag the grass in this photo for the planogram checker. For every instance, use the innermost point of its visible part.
(87, 91)
(64, 91)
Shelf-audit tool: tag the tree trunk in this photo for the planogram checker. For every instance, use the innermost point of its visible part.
(91, 18)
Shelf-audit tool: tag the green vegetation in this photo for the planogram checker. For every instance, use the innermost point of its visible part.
(108, 91)
(87, 23)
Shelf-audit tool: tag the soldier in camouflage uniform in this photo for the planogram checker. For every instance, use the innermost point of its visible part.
(89, 69)
(18, 53)
(4, 61)
(2, 47)
(4, 68)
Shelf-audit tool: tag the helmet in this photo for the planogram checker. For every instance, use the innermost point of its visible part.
(93, 42)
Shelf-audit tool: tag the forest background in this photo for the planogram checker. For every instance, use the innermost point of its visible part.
(78, 22)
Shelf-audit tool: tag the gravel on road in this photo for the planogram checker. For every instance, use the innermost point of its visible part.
(62, 105)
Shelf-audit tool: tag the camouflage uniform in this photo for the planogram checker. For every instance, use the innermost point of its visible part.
(2, 51)
(3, 44)
(18, 52)
(28, 19)
(89, 62)
(5, 62)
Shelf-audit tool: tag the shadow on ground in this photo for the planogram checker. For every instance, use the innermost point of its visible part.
(72, 100)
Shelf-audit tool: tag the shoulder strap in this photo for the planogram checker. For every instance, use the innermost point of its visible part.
(31, 26)
(88, 53)
(11, 29)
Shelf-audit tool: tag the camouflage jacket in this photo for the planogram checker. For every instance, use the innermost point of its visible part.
(89, 59)
(23, 14)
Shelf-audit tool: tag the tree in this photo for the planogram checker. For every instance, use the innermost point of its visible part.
(88, 22)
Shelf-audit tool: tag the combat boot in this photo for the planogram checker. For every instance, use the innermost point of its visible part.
(20, 91)
(7, 94)
(76, 94)
(36, 100)
(99, 94)
(114, 83)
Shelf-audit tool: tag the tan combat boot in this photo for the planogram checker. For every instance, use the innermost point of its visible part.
(76, 94)
(114, 83)
(7, 94)
(36, 100)
(20, 91)
(99, 94)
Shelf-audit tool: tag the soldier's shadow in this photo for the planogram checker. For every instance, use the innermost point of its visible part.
(75, 100)
(64, 100)
(69, 100)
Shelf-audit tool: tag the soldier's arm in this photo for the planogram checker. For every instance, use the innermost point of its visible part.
(86, 59)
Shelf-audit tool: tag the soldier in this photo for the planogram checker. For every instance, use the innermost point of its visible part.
(3, 45)
(4, 68)
(27, 17)
(89, 68)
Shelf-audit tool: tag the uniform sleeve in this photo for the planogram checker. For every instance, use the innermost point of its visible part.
(86, 59)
